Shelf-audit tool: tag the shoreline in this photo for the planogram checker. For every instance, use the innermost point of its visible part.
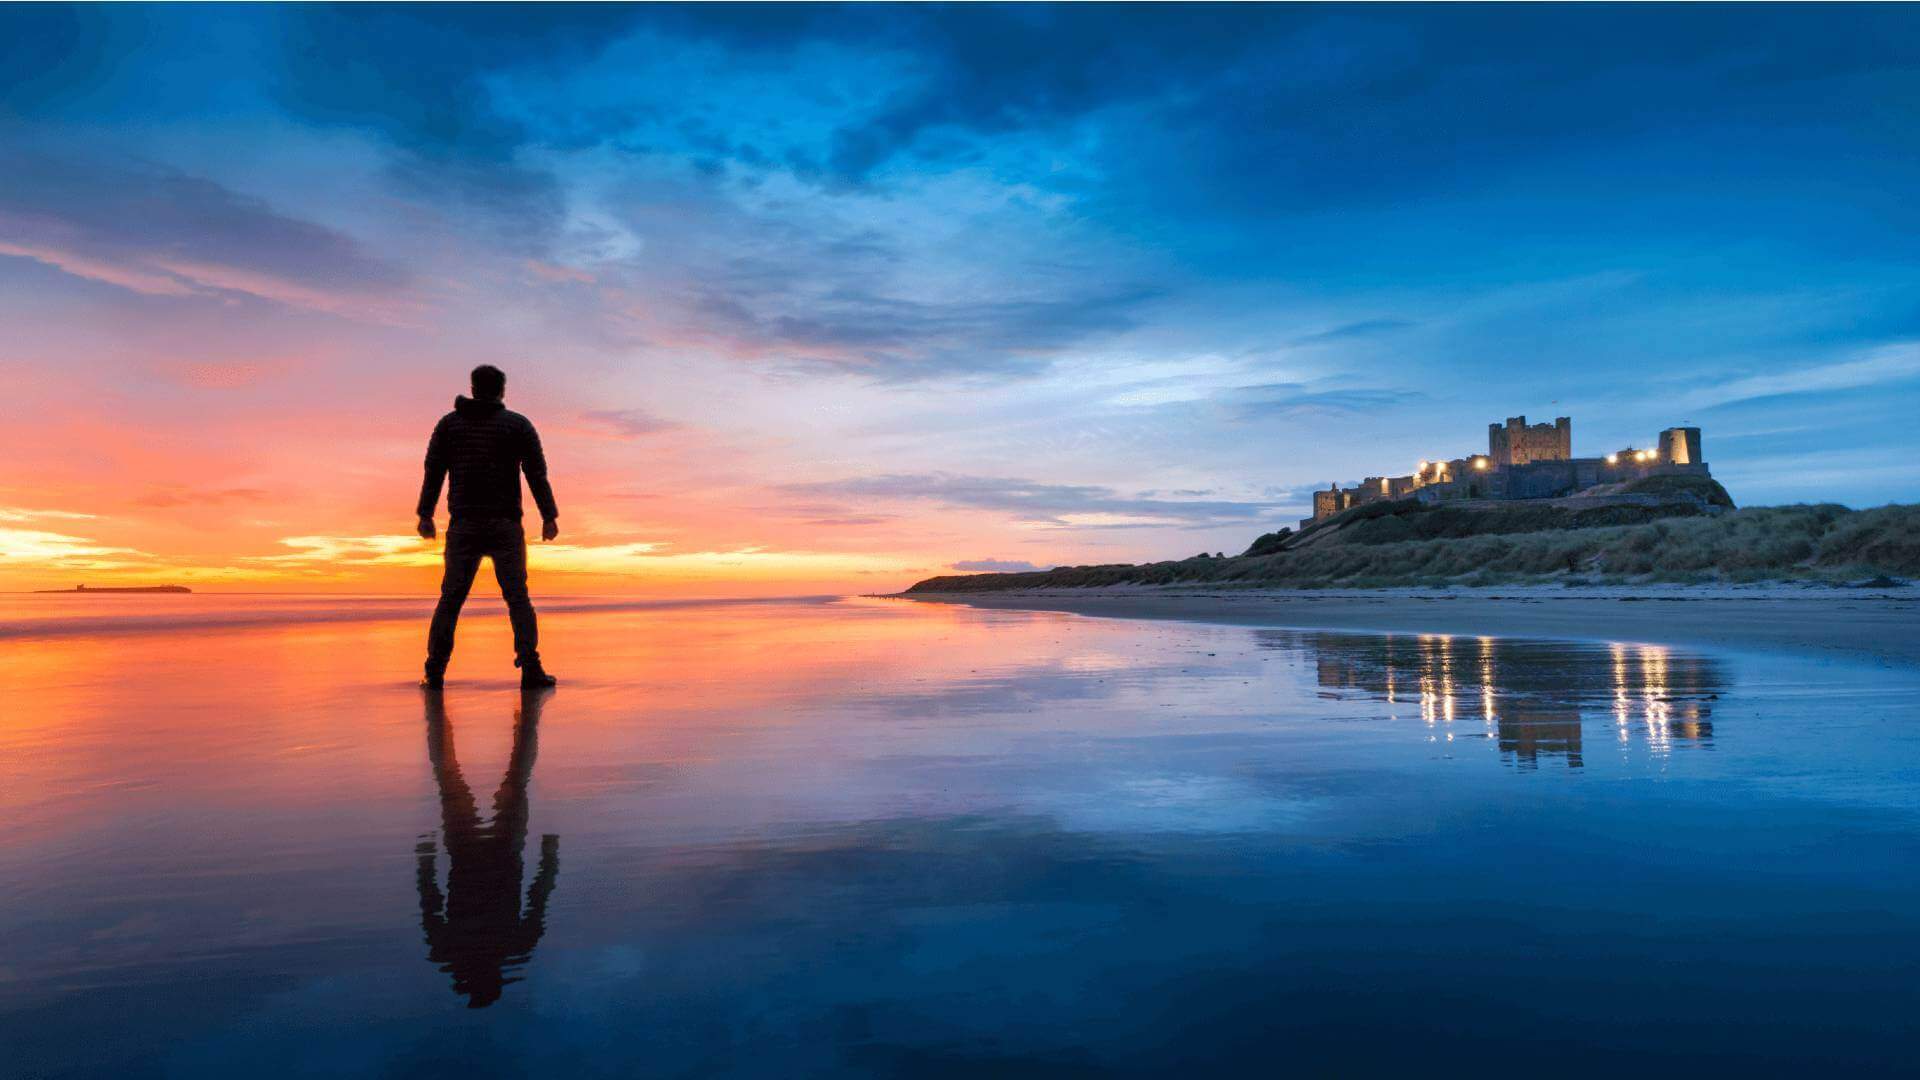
(299, 609)
(1879, 626)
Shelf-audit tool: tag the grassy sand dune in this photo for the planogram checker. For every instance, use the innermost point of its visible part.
(1401, 544)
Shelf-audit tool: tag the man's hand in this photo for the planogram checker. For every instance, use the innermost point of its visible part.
(549, 528)
(426, 528)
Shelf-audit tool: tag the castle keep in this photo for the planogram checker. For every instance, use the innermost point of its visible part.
(1523, 461)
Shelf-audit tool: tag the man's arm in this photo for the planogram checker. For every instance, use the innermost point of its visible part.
(436, 474)
(533, 461)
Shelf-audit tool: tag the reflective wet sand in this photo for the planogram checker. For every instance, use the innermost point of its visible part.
(874, 837)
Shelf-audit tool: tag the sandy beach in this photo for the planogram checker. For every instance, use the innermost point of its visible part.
(1881, 625)
(243, 832)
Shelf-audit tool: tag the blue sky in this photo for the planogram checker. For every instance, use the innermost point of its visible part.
(959, 284)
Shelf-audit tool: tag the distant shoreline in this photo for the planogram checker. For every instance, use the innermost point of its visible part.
(287, 609)
(1881, 626)
(83, 590)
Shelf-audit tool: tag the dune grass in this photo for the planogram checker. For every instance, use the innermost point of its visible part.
(1824, 543)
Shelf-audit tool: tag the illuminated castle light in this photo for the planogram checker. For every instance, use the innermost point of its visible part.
(1523, 461)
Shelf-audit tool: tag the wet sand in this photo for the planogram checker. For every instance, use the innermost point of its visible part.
(870, 837)
(1881, 626)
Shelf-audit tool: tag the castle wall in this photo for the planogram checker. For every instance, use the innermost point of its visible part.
(1540, 480)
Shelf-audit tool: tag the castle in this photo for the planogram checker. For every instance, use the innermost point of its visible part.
(1523, 461)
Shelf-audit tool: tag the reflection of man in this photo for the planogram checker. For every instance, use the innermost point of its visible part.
(476, 931)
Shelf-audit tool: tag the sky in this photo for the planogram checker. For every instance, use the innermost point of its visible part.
(830, 299)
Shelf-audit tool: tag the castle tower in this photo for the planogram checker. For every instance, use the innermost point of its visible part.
(1681, 446)
(1326, 503)
(1519, 443)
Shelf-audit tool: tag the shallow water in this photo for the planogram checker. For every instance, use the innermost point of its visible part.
(879, 837)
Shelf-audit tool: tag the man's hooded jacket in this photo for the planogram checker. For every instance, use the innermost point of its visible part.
(482, 447)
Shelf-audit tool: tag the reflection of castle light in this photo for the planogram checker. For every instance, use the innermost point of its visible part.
(1534, 696)
(1486, 678)
(1392, 669)
(1653, 694)
(1653, 691)
(1436, 679)
(1427, 709)
(1622, 701)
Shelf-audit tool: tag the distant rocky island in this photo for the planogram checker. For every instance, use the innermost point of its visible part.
(1529, 512)
(121, 589)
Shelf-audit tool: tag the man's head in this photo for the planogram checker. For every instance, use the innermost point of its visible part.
(489, 383)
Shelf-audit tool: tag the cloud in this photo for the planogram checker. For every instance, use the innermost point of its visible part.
(886, 289)
(989, 71)
(420, 77)
(222, 375)
(895, 340)
(1263, 103)
(627, 423)
(556, 274)
(168, 497)
(995, 566)
(1048, 505)
(79, 265)
(1886, 364)
(1297, 399)
(1366, 328)
(21, 513)
(60, 551)
(379, 550)
(154, 230)
(853, 522)
(632, 559)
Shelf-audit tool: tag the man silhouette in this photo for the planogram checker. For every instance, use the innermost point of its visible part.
(482, 448)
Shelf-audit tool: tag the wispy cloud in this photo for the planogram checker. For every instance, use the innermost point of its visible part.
(221, 375)
(21, 513)
(626, 423)
(1039, 504)
(1365, 328)
(1298, 399)
(168, 497)
(1884, 365)
(154, 230)
(345, 555)
(60, 551)
(379, 550)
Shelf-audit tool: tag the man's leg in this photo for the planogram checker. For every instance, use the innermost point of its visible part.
(509, 553)
(462, 562)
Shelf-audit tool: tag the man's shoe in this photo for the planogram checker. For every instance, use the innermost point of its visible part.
(533, 676)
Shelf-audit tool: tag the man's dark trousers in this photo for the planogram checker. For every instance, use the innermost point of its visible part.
(468, 541)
